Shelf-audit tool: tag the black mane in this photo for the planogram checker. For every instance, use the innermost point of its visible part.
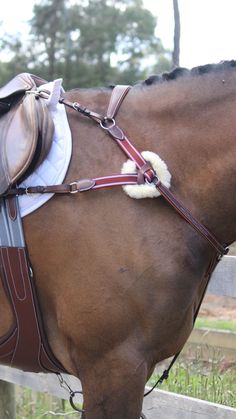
(195, 71)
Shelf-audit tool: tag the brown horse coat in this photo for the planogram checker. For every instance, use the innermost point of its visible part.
(119, 279)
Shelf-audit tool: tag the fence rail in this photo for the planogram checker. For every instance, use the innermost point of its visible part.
(166, 405)
(161, 403)
(223, 281)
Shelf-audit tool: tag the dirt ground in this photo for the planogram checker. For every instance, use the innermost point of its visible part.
(217, 306)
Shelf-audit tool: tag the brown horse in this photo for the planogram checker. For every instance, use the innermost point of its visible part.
(119, 279)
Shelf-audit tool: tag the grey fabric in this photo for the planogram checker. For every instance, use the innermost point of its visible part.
(11, 231)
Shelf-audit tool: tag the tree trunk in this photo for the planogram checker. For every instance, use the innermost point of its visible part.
(175, 55)
(7, 400)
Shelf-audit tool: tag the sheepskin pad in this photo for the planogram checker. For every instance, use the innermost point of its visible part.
(147, 190)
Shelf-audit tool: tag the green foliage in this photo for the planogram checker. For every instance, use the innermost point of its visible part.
(214, 381)
(33, 405)
(16, 61)
(211, 381)
(216, 324)
(88, 43)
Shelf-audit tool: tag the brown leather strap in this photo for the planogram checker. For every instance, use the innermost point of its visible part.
(147, 172)
(79, 185)
(187, 216)
(117, 97)
(81, 109)
(11, 206)
(25, 346)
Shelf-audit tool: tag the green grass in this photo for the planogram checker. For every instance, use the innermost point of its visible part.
(33, 405)
(212, 381)
(216, 324)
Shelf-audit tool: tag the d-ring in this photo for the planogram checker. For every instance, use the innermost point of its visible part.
(107, 123)
(72, 395)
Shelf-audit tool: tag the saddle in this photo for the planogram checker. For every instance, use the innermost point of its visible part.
(26, 132)
(26, 129)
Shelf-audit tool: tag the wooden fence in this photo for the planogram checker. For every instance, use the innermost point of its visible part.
(160, 404)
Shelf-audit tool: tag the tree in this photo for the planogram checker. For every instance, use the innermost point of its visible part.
(176, 50)
(17, 58)
(93, 42)
(49, 27)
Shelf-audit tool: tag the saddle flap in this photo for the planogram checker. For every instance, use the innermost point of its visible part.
(25, 130)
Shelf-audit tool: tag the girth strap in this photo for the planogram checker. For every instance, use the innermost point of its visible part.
(25, 345)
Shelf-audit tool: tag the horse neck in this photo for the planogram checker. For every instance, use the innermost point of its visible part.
(192, 126)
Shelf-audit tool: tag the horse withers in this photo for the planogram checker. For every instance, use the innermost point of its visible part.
(120, 280)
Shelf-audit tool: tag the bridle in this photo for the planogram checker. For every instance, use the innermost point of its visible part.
(145, 173)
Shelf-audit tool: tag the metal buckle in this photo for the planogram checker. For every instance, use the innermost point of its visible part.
(71, 190)
(44, 94)
(82, 185)
(154, 180)
(27, 191)
(76, 106)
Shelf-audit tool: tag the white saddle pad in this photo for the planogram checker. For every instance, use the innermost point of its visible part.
(53, 169)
